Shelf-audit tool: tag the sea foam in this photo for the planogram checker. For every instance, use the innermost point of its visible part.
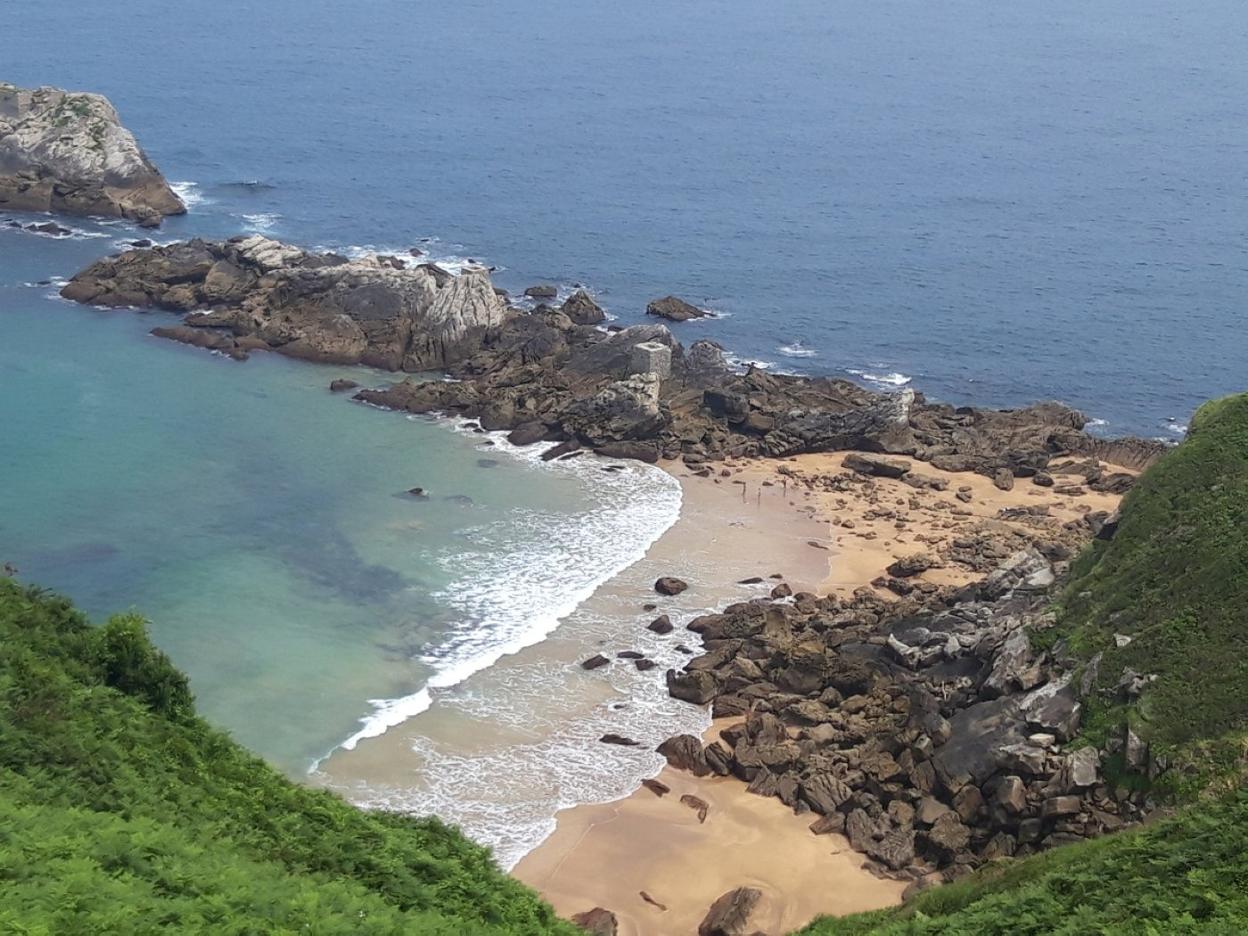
(189, 193)
(511, 599)
(892, 379)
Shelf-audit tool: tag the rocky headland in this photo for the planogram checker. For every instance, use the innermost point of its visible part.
(68, 152)
(553, 373)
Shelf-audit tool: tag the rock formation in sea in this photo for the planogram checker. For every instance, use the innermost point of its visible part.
(541, 376)
(67, 152)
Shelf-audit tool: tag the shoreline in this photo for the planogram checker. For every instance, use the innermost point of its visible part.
(607, 854)
(548, 747)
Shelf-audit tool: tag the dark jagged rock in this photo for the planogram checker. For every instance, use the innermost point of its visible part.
(730, 913)
(674, 310)
(581, 309)
(661, 625)
(684, 752)
(594, 662)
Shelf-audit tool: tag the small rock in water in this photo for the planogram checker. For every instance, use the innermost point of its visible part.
(594, 662)
(752, 580)
(644, 665)
(630, 655)
(341, 385)
(670, 586)
(543, 291)
(618, 739)
(418, 492)
(661, 625)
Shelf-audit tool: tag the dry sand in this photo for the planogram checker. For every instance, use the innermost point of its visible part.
(609, 854)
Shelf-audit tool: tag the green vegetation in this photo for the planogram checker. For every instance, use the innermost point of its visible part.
(1174, 579)
(1186, 874)
(123, 812)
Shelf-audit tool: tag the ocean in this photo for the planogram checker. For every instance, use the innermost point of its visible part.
(976, 200)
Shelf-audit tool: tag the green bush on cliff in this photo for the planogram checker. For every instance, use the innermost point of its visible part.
(122, 812)
(1186, 874)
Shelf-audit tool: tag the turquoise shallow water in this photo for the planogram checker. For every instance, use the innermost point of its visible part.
(261, 523)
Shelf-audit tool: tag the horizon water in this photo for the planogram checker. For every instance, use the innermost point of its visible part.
(973, 201)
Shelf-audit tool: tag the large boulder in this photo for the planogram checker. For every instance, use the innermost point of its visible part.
(730, 914)
(68, 152)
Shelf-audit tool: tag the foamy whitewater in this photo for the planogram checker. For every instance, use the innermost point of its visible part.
(538, 715)
(513, 598)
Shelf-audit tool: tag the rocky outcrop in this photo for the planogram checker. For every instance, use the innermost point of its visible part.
(68, 152)
(319, 307)
(546, 375)
(930, 730)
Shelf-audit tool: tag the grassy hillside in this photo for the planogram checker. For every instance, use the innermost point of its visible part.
(1174, 579)
(123, 812)
(1187, 874)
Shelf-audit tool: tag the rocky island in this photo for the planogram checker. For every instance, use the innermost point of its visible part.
(68, 152)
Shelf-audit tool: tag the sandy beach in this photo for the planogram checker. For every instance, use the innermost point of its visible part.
(506, 771)
(609, 854)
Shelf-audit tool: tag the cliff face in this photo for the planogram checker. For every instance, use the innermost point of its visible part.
(68, 152)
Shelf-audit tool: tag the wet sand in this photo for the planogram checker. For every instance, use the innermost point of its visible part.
(608, 854)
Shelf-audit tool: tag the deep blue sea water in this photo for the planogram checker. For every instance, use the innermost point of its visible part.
(995, 203)
(1004, 202)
